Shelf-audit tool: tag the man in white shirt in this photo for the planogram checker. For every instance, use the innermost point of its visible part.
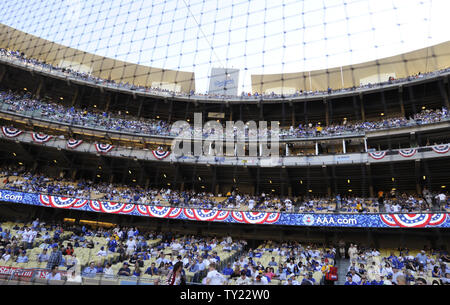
(251, 204)
(102, 252)
(131, 246)
(214, 277)
(54, 276)
(25, 235)
(441, 200)
(243, 280)
(352, 252)
(6, 256)
(355, 278)
(108, 271)
(176, 246)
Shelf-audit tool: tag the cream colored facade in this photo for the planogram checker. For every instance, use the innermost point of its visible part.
(424, 60)
(106, 68)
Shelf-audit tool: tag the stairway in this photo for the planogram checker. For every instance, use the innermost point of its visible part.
(342, 264)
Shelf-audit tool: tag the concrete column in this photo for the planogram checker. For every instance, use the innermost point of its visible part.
(363, 113)
(369, 174)
(217, 189)
(75, 97)
(402, 106)
(293, 115)
(2, 73)
(39, 89)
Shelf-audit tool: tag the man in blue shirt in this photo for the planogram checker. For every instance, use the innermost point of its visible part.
(228, 270)
(350, 281)
(422, 258)
(273, 263)
(22, 258)
(152, 270)
(90, 270)
(194, 267)
(112, 244)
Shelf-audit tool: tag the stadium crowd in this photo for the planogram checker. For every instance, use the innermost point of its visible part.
(26, 104)
(77, 252)
(36, 63)
(397, 267)
(19, 178)
(84, 251)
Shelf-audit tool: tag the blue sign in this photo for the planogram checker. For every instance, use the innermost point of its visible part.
(441, 220)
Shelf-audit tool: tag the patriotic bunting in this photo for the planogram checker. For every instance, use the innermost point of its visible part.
(441, 149)
(377, 155)
(72, 143)
(413, 220)
(408, 221)
(40, 138)
(103, 148)
(407, 152)
(11, 132)
(160, 154)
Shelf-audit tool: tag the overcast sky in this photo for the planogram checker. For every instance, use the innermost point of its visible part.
(255, 36)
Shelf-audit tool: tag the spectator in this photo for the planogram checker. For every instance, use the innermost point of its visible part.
(54, 275)
(152, 270)
(22, 258)
(90, 271)
(43, 257)
(243, 280)
(73, 277)
(214, 277)
(55, 258)
(125, 270)
(108, 271)
(227, 271)
(176, 276)
(350, 281)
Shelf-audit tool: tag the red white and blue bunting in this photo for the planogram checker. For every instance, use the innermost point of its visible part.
(441, 149)
(160, 154)
(40, 138)
(11, 132)
(407, 153)
(103, 148)
(72, 143)
(377, 155)
(413, 220)
(409, 221)
(250, 217)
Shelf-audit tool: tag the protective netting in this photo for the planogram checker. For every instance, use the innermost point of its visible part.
(183, 41)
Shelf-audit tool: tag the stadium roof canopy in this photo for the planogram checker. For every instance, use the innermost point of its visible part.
(183, 40)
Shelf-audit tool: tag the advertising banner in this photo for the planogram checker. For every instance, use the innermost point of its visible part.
(430, 220)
